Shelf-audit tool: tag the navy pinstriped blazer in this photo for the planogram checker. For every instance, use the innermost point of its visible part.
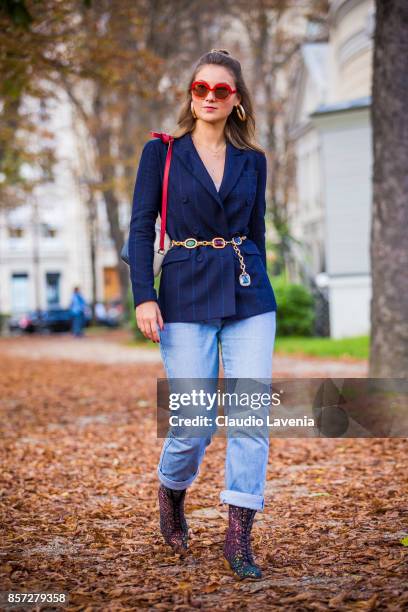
(201, 283)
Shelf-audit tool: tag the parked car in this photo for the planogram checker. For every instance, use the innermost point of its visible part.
(45, 321)
(59, 320)
(25, 323)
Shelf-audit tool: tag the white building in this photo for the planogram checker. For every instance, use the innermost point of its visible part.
(332, 135)
(44, 244)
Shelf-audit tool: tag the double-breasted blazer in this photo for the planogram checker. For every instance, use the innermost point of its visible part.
(202, 283)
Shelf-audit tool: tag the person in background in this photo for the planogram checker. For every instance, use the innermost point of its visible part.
(78, 306)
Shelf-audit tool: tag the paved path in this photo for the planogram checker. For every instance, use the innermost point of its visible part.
(112, 349)
(87, 349)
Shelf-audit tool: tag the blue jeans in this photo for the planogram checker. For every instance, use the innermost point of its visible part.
(77, 324)
(190, 350)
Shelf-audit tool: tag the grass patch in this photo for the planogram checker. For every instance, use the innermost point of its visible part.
(357, 346)
(142, 343)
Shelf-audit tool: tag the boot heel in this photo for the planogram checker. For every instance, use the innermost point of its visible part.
(231, 571)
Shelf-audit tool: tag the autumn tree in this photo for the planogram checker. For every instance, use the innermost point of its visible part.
(27, 153)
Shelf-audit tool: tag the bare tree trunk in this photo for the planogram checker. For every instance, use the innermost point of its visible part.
(389, 253)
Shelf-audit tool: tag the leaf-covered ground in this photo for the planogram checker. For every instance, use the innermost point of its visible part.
(79, 510)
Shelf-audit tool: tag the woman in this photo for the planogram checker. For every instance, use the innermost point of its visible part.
(210, 294)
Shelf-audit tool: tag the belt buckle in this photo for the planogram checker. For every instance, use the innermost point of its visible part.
(216, 242)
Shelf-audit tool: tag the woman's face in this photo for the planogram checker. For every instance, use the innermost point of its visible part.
(220, 110)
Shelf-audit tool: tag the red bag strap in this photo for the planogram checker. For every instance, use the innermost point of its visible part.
(167, 139)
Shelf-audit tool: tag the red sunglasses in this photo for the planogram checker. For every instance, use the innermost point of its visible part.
(222, 91)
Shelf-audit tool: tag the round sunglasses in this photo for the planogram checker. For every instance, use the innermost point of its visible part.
(222, 91)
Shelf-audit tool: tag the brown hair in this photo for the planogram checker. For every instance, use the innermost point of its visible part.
(239, 133)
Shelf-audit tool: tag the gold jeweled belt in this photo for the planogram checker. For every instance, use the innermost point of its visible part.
(219, 243)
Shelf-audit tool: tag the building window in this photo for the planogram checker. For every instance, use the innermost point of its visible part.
(48, 231)
(15, 232)
(20, 296)
(52, 280)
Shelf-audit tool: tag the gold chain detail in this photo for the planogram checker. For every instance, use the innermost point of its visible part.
(241, 259)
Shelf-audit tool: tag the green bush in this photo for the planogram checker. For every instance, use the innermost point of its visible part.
(295, 315)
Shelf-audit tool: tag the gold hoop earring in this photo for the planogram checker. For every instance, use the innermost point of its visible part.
(193, 112)
(241, 112)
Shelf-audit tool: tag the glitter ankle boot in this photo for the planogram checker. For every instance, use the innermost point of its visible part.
(173, 524)
(237, 547)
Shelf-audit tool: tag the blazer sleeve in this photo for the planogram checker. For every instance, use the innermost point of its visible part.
(257, 220)
(145, 208)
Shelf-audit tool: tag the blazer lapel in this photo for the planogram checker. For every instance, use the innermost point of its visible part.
(234, 163)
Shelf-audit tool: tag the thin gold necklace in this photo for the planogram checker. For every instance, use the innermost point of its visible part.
(215, 153)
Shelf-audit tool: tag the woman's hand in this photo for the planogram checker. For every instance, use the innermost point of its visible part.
(148, 318)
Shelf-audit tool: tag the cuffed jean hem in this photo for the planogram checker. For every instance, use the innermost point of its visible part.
(177, 485)
(244, 500)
